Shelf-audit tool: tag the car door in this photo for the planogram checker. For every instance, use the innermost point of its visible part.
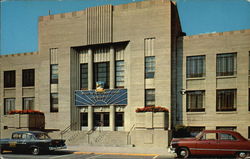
(227, 144)
(207, 144)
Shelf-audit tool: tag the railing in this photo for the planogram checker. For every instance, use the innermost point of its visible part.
(67, 129)
(129, 135)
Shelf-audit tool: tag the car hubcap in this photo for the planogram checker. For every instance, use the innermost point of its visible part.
(183, 153)
(242, 154)
(35, 151)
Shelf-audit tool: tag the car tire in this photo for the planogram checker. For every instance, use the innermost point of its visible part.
(241, 155)
(183, 152)
(35, 150)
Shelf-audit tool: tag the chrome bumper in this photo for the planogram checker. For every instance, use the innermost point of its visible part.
(56, 148)
(171, 149)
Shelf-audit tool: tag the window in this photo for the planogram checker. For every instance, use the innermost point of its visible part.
(28, 77)
(54, 74)
(209, 136)
(28, 103)
(195, 130)
(54, 102)
(119, 119)
(223, 136)
(249, 132)
(150, 67)
(119, 74)
(84, 119)
(84, 76)
(195, 66)
(150, 97)
(9, 79)
(233, 128)
(101, 73)
(226, 64)
(9, 105)
(195, 101)
(226, 100)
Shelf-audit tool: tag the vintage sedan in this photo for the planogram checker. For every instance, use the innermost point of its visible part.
(34, 142)
(212, 142)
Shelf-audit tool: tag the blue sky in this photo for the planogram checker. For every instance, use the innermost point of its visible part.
(19, 18)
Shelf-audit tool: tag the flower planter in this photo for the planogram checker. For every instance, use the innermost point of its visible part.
(149, 120)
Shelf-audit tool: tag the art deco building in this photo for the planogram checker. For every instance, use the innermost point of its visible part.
(95, 67)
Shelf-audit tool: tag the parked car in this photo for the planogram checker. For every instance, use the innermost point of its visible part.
(212, 142)
(34, 142)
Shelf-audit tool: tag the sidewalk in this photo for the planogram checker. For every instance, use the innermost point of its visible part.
(122, 150)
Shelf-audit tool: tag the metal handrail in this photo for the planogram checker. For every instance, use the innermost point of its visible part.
(67, 129)
(128, 136)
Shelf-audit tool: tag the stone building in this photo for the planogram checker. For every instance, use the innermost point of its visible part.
(95, 67)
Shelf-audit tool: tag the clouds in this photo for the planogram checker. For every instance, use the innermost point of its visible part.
(248, 1)
(1, 1)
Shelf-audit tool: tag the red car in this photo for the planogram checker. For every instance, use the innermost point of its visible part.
(212, 142)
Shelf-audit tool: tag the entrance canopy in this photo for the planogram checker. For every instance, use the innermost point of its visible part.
(107, 97)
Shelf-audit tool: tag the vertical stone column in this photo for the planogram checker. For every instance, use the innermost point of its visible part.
(90, 69)
(90, 117)
(112, 118)
(112, 68)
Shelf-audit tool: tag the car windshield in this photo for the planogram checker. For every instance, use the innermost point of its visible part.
(198, 136)
(42, 136)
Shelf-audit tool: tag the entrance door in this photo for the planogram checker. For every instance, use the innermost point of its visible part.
(101, 119)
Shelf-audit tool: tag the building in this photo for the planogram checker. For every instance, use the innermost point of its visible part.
(139, 55)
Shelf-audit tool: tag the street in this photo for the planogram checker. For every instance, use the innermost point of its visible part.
(83, 155)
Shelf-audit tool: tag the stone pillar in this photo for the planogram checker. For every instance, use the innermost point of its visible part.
(90, 117)
(112, 68)
(90, 69)
(112, 118)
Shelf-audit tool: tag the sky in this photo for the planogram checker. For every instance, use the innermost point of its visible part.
(19, 18)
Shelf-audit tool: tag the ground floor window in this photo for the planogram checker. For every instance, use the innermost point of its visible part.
(249, 132)
(9, 105)
(84, 119)
(28, 103)
(119, 119)
(101, 119)
(233, 128)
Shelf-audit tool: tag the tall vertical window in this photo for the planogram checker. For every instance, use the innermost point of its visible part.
(150, 97)
(196, 66)
(9, 105)
(226, 64)
(28, 103)
(54, 74)
(150, 67)
(195, 101)
(226, 100)
(84, 76)
(119, 74)
(101, 73)
(9, 79)
(54, 102)
(28, 77)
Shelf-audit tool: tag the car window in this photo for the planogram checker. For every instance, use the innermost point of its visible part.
(209, 136)
(42, 136)
(223, 136)
(16, 136)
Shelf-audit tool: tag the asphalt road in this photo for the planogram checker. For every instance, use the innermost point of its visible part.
(71, 155)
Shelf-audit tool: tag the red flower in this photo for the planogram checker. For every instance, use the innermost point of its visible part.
(152, 109)
(25, 112)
